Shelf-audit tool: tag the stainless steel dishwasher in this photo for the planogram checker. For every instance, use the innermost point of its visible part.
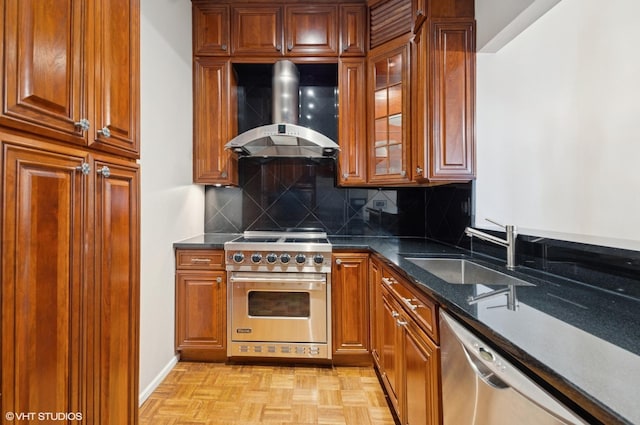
(481, 388)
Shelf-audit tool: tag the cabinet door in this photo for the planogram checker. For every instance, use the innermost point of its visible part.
(391, 349)
(352, 123)
(113, 66)
(350, 307)
(257, 31)
(376, 311)
(116, 302)
(353, 32)
(43, 315)
(389, 121)
(215, 121)
(421, 372)
(201, 314)
(210, 29)
(312, 30)
(443, 60)
(452, 153)
(42, 68)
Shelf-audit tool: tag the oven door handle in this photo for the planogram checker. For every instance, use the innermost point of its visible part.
(305, 279)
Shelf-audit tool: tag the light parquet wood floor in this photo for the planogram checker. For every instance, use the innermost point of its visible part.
(219, 394)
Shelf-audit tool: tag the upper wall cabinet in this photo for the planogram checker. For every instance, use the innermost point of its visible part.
(257, 30)
(71, 72)
(300, 30)
(443, 90)
(210, 29)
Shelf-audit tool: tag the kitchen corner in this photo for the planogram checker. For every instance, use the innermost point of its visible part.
(572, 339)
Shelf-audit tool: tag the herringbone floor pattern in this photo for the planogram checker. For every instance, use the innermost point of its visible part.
(218, 394)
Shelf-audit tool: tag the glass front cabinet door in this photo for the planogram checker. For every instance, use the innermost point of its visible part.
(388, 91)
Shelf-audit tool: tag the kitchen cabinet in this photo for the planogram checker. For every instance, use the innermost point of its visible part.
(210, 29)
(407, 342)
(70, 281)
(353, 31)
(389, 116)
(71, 72)
(257, 30)
(443, 99)
(201, 305)
(214, 121)
(350, 308)
(352, 131)
(308, 30)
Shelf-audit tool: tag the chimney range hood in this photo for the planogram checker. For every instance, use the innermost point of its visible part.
(284, 138)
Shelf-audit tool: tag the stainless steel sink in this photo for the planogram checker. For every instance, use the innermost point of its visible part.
(465, 272)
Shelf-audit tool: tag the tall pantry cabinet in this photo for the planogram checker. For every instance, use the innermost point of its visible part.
(69, 135)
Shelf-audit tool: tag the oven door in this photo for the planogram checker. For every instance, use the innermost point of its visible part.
(278, 307)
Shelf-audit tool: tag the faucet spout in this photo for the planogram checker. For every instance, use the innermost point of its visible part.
(509, 242)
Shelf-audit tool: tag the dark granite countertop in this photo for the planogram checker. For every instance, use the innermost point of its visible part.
(580, 343)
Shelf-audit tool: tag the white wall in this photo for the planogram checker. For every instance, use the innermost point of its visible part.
(172, 207)
(558, 126)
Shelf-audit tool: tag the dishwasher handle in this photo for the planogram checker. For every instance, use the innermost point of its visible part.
(482, 371)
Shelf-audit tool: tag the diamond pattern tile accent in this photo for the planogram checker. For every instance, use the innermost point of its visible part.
(292, 192)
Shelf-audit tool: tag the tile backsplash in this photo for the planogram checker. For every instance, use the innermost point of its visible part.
(279, 193)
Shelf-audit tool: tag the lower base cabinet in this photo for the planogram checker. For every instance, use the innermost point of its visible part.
(404, 344)
(201, 305)
(350, 309)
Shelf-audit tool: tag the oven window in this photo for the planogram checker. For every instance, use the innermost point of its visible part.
(279, 304)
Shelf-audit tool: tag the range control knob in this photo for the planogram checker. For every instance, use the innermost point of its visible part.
(318, 259)
(238, 257)
(300, 258)
(271, 258)
(284, 258)
(256, 257)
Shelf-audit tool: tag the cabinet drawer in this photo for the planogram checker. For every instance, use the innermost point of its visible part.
(200, 259)
(417, 305)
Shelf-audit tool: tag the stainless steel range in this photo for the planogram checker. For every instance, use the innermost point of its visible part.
(279, 292)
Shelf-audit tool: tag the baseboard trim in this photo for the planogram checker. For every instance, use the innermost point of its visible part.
(144, 394)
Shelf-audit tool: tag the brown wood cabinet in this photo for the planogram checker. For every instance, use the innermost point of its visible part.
(210, 29)
(257, 30)
(443, 101)
(201, 305)
(71, 72)
(405, 344)
(215, 121)
(352, 129)
(350, 308)
(388, 114)
(311, 30)
(70, 279)
(353, 31)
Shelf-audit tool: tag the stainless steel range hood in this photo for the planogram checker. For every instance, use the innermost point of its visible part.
(284, 138)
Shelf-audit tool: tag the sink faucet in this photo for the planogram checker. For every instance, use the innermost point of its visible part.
(509, 242)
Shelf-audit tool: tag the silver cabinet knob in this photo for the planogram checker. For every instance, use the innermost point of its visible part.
(338, 261)
(84, 168)
(418, 170)
(105, 132)
(83, 124)
(219, 279)
(104, 171)
(224, 47)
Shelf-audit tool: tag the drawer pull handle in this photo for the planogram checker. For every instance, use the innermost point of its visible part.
(407, 302)
(400, 323)
(201, 260)
(395, 314)
(387, 281)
